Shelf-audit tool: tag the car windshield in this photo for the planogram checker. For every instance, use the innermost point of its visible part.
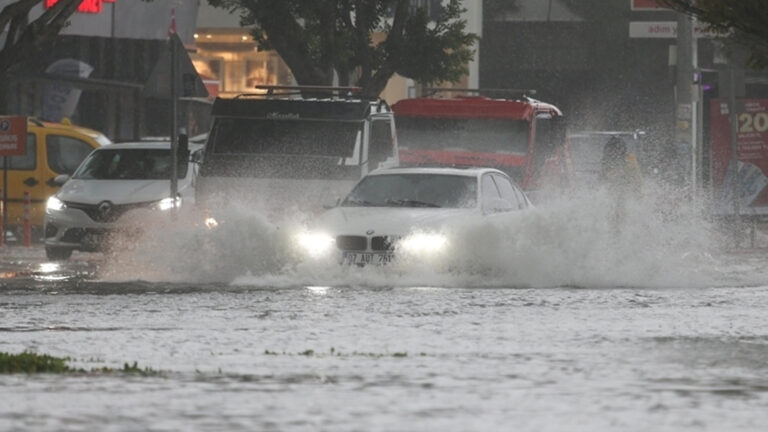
(414, 190)
(130, 164)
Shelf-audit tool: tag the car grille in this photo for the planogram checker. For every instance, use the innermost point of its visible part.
(356, 243)
(383, 243)
(109, 213)
(360, 243)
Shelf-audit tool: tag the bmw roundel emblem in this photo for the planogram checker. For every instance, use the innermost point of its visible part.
(370, 231)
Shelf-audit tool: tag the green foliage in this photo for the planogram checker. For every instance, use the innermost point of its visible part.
(29, 363)
(319, 37)
(743, 20)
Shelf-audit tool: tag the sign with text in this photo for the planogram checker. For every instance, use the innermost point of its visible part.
(663, 29)
(641, 5)
(13, 136)
(751, 164)
(86, 6)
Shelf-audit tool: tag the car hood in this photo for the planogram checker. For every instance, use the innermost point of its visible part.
(118, 191)
(388, 220)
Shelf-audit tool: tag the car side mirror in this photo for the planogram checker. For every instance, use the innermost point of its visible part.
(60, 179)
(336, 203)
(497, 205)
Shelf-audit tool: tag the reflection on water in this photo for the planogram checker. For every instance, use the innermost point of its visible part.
(235, 357)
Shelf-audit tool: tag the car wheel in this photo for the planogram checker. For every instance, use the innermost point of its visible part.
(58, 254)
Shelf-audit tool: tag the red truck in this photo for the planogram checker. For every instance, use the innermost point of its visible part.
(521, 136)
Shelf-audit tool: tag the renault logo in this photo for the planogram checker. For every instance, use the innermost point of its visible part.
(105, 207)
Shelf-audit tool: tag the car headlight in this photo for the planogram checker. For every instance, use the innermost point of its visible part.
(168, 203)
(420, 243)
(315, 244)
(55, 204)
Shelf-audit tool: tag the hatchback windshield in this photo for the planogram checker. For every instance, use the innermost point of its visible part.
(414, 190)
(130, 164)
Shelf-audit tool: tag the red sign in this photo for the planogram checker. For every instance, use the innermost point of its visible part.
(86, 6)
(13, 136)
(751, 151)
(646, 5)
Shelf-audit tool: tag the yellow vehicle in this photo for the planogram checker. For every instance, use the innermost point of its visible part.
(52, 149)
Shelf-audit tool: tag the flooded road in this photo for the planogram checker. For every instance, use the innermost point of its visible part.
(259, 355)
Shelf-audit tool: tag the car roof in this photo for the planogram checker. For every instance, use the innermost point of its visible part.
(467, 172)
(149, 145)
(35, 123)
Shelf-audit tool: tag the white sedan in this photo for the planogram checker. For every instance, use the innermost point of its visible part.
(409, 212)
(114, 190)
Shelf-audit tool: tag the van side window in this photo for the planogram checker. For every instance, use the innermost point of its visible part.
(27, 161)
(65, 153)
(381, 143)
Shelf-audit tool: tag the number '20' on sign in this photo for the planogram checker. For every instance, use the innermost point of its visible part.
(753, 122)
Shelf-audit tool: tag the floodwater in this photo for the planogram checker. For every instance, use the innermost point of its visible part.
(578, 325)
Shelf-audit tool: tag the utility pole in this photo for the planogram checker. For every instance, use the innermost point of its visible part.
(174, 126)
(686, 99)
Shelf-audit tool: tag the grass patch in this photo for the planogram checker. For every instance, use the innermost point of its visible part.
(32, 363)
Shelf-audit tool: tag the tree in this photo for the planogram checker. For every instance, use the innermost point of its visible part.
(318, 39)
(24, 38)
(743, 20)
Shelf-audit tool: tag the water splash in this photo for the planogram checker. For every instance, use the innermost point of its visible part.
(576, 240)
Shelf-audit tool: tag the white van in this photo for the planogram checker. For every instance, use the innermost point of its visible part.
(282, 151)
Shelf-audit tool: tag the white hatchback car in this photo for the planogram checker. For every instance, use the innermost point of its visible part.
(405, 211)
(112, 184)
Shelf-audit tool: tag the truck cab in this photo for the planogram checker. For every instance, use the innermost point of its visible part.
(293, 147)
(521, 136)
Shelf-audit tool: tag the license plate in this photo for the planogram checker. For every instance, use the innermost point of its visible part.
(367, 258)
(92, 240)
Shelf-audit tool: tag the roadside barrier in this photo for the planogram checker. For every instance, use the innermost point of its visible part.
(27, 220)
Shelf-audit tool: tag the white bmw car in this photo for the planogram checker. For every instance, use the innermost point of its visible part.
(115, 189)
(399, 212)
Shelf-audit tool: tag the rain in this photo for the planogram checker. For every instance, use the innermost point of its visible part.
(551, 218)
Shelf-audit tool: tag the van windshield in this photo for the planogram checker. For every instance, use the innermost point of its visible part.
(285, 137)
(130, 164)
(471, 135)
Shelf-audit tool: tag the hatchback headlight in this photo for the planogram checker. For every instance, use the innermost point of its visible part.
(55, 204)
(168, 203)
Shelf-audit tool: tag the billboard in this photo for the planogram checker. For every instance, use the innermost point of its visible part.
(750, 167)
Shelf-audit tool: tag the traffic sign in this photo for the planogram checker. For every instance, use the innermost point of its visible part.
(664, 29)
(13, 136)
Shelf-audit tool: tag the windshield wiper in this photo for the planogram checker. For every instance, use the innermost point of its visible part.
(410, 203)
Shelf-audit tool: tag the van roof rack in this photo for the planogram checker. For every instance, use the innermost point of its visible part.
(431, 91)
